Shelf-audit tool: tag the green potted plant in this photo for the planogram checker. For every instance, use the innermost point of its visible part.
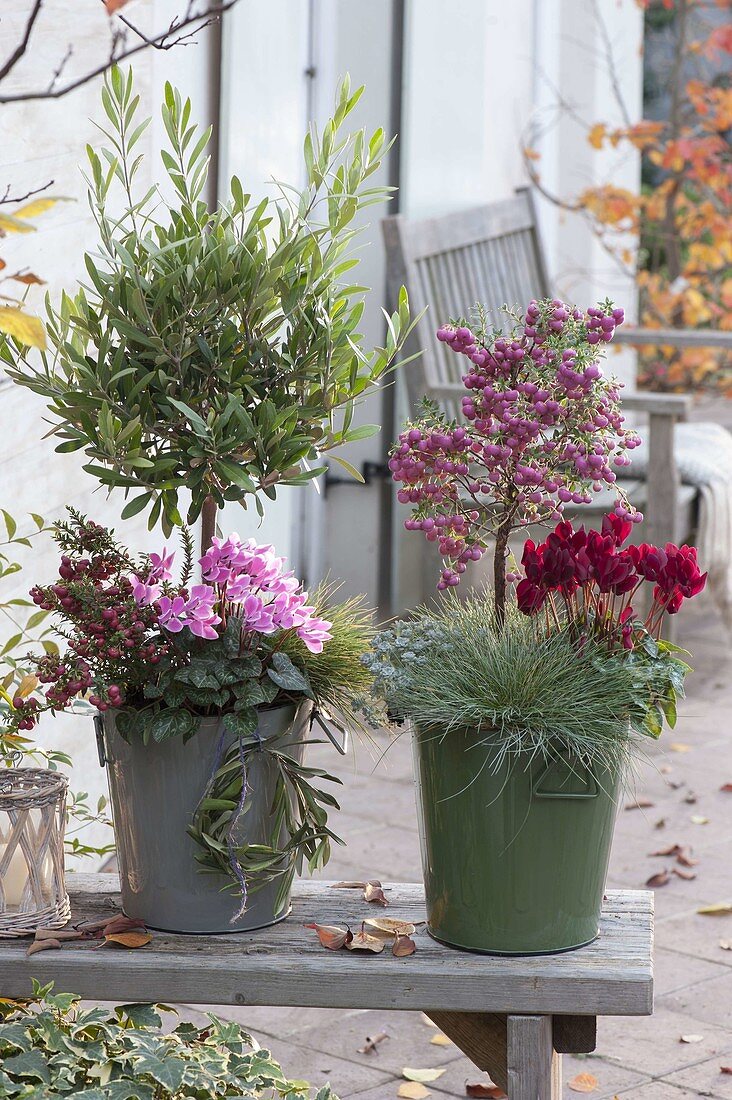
(214, 352)
(527, 707)
(207, 694)
(125, 1054)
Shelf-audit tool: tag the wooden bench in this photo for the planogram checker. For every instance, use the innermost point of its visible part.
(492, 254)
(513, 1017)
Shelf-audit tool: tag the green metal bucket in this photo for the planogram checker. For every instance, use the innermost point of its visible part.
(514, 858)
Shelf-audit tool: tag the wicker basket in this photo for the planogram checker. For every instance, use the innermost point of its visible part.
(32, 818)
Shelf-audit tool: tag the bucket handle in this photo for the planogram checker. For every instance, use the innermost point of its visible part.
(325, 721)
(591, 791)
(99, 732)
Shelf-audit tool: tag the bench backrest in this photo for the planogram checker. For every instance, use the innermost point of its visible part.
(490, 254)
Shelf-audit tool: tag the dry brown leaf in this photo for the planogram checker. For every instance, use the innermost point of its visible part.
(42, 945)
(133, 939)
(720, 909)
(672, 850)
(687, 876)
(372, 1042)
(583, 1082)
(28, 279)
(403, 946)
(362, 941)
(640, 804)
(374, 893)
(114, 5)
(660, 824)
(440, 1040)
(423, 1076)
(691, 1039)
(727, 787)
(412, 1090)
(121, 923)
(690, 799)
(58, 934)
(348, 885)
(725, 1069)
(492, 1092)
(684, 858)
(387, 927)
(330, 935)
(726, 945)
(662, 878)
(679, 746)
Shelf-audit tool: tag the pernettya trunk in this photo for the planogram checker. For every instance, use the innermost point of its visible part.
(208, 523)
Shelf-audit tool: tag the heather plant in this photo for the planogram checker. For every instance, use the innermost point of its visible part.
(51, 1046)
(541, 428)
(214, 353)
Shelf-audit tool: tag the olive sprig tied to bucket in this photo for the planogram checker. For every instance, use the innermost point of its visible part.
(162, 653)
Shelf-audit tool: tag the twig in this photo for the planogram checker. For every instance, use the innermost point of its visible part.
(7, 197)
(23, 44)
(117, 52)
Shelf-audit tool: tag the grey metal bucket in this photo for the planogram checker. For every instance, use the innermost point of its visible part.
(154, 791)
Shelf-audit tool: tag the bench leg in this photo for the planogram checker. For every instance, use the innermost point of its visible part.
(534, 1070)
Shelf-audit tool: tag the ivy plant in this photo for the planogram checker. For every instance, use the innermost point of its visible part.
(213, 349)
(51, 1046)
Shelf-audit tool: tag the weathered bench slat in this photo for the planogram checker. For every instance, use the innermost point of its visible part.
(285, 964)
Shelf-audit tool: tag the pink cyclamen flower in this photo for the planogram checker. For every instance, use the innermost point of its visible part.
(314, 633)
(144, 592)
(196, 612)
(161, 565)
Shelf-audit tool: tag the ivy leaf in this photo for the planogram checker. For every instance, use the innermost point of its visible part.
(30, 1063)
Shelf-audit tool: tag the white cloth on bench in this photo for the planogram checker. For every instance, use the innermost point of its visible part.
(704, 459)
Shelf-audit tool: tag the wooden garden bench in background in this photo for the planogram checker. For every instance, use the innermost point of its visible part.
(513, 1017)
(492, 254)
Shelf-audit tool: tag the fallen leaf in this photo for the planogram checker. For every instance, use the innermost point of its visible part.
(121, 923)
(684, 858)
(660, 824)
(42, 945)
(114, 5)
(640, 804)
(720, 909)
(58, 934)
(412, 1090)
(348, 885)
(403, 946)
(127, 939)
(493, 1092)
(440, 1040)
(362, 941)
(666, 769)
(679, 746)
(726, 945)
(672, 850)
(687, 876)
(583, 1082)
(674, 784)
(690, 799)
(725, 1069)
(375, 894)
(387, 927)
(662, 878)
(699, 819)
(423, 1076)
(331, 936)
(727, 787)
(372, 1041)
(691, 1039)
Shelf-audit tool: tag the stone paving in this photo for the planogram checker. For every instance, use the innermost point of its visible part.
(642, 1059)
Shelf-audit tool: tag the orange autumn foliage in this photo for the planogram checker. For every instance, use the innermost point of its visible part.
(684, 268)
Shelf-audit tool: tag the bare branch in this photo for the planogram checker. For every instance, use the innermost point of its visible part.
(7, 197)
(179, 32)
(23, 44)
